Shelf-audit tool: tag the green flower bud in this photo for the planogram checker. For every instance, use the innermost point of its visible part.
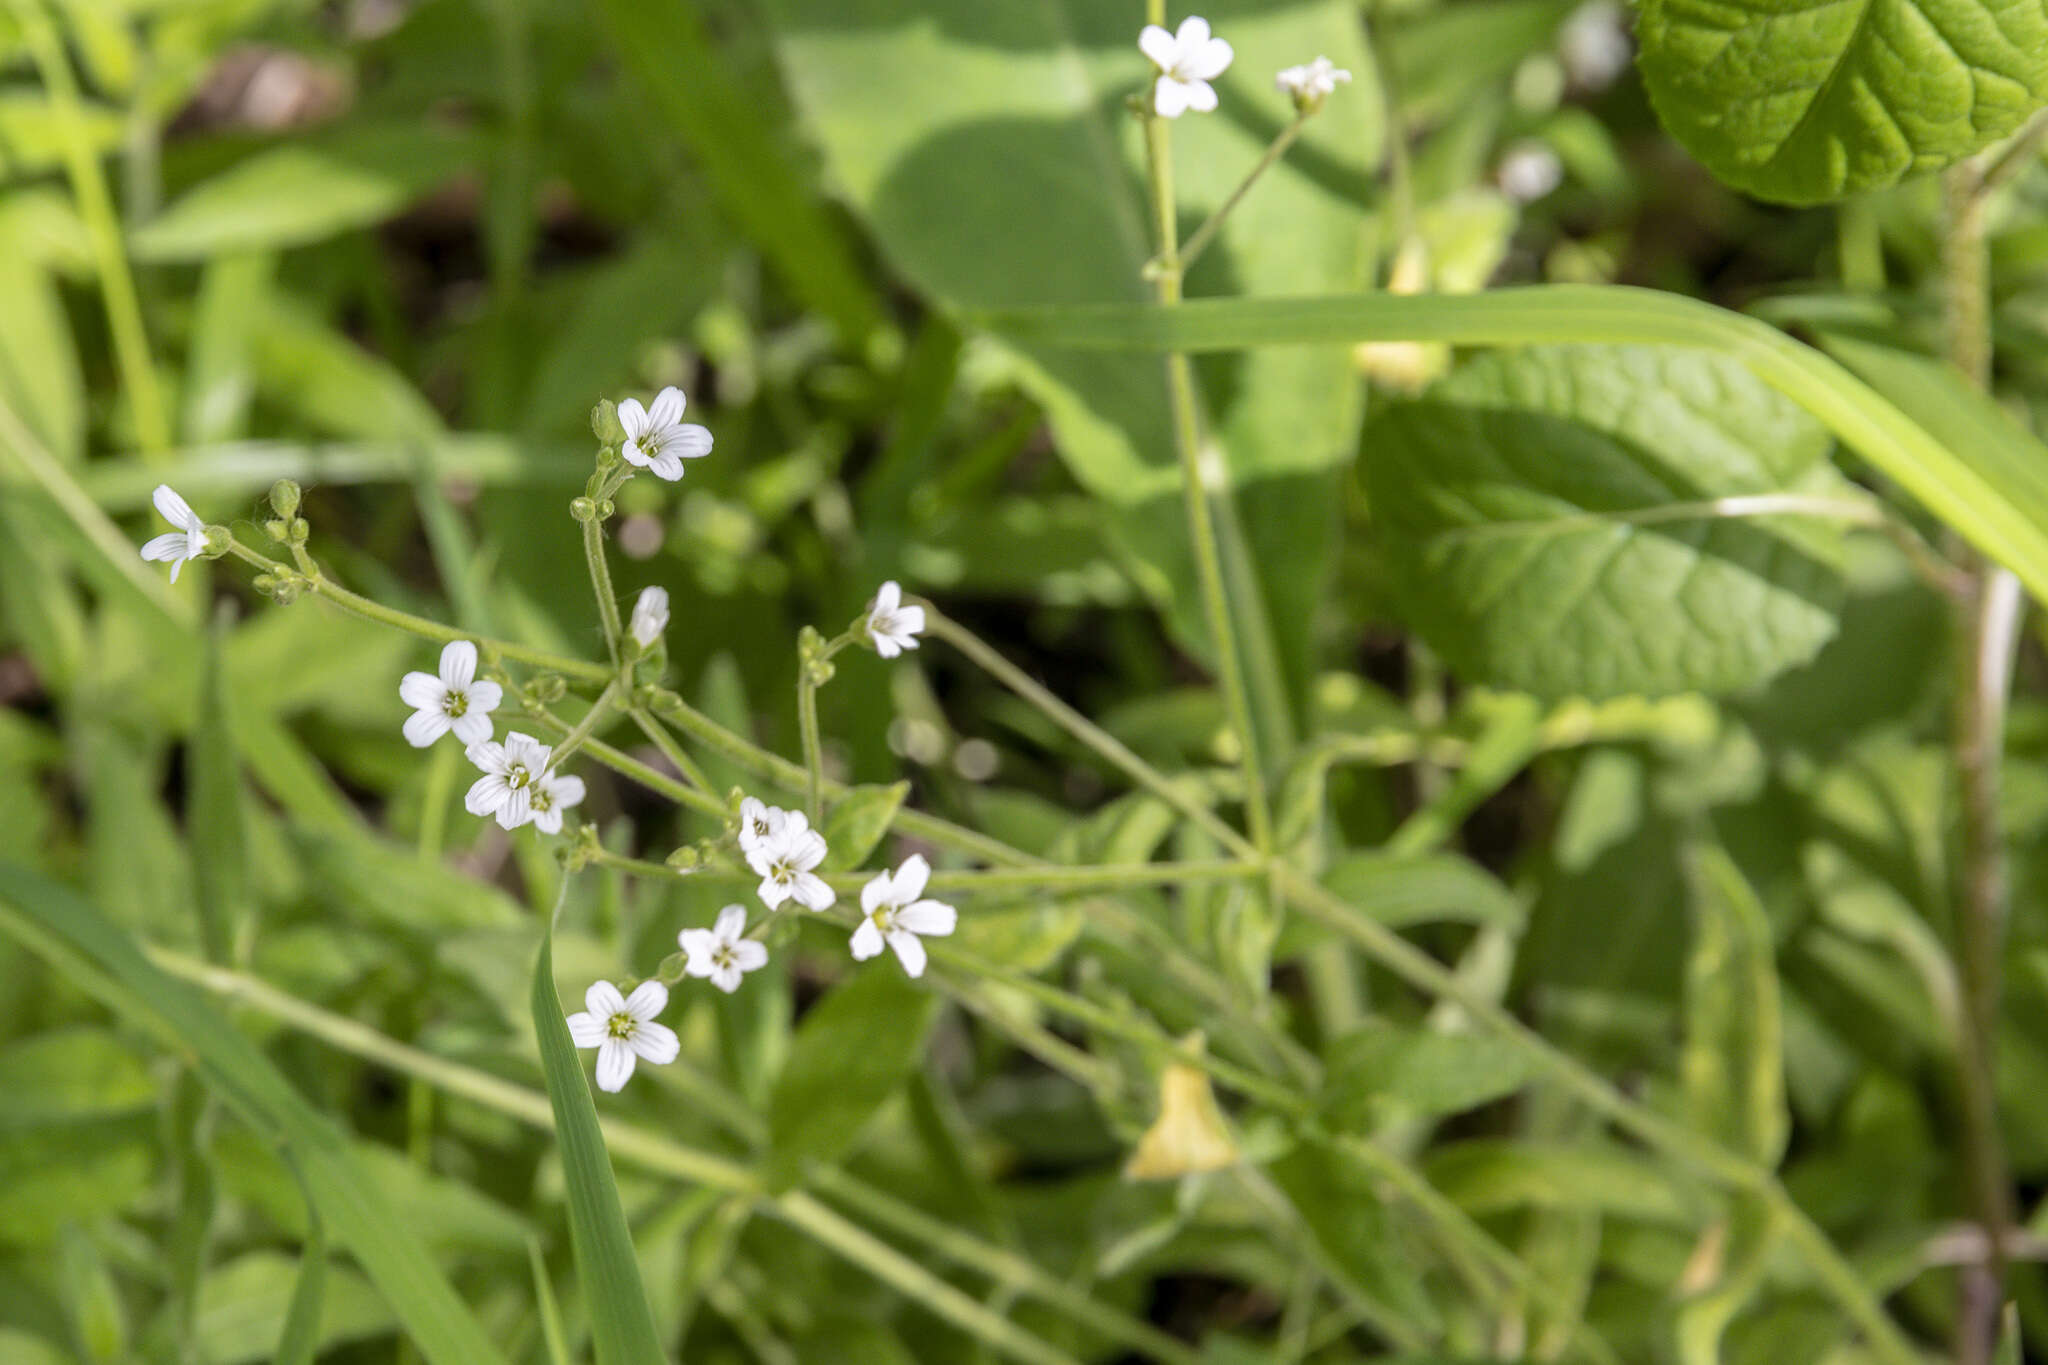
(278, 529)
(583, 509)
(604, 423)
(284, 498)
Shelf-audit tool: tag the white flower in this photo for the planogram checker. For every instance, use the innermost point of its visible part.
(650, 617)
(723, 952)
(785, 859)
(892, 914)
(1594, 44)
(759, 824)
(457, 700)
(187, 542)
(554, 793)
(1187, 60)
(1310, 85)
(657, 437)
(1529, 171)
(622, 1028)
(892, 626)
(510, 771)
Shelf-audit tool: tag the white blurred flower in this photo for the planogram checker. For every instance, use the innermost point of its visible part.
(892, 626)
(1187, 60)
(893, 915)
(457, 700)
(187, 542)
(723, 953)
(554, 793)
(510, 771)
(785, 859)
(1313, 83)
(622, 1029)
(657, 437)
(759, 824)
(1529, 171)
(1594, 44)
(650, 617)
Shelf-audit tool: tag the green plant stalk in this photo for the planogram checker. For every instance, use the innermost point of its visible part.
(103, 230)
(661, 1155)
(672, 751)
(1988, 632)
(569, 743)
(1200, 471)
(1198, 240)
(601, 584)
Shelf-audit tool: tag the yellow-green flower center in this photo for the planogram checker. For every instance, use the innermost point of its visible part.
(517, 776)
(455, 703)
(621, 1026)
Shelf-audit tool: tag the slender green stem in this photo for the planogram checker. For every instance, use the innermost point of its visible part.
(1198, 241)
(601, 584)
(814, 749)
(103, 231)
(599, 710)
(675, 753)
(1203, 476)
(2019, 152)
(1988, 627)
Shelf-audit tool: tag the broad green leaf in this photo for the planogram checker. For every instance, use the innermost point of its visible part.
(247, 1305)
(1802, 103)
(56, 923)
(1495, 1175)
(69, 1075)
(857, 823)
(1384, 1073)
(2003, 515)
(1429, 889)
(220, 376)
(1733, 1066)
(1360, 1246)
(303, 192)
(39, 375)
(848, 1056)
(364, 877)
(1552, 522)
(621, 1327)
(56, 1176)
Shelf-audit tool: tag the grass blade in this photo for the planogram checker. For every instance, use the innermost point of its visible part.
(300, 1340)
(55, 922)
(621, 1325)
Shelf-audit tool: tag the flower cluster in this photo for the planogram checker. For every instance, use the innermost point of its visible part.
(1190, 57)
(658, 440)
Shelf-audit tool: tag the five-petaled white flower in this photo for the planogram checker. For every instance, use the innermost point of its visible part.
(650, 617)
(892, 626)
(657, 437)
(1311, 84)
(622, 1028)
(457, 700)
(892, 913)
(723, 952)
(510, 771)
(759, 823)
(1187, 60)
(187, 542)
(554, 793)
(785, 859)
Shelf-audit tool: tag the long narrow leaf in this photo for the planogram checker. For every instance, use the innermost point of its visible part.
(55, 922)
(2003, 514)
(621, 1324)
(299, 1343)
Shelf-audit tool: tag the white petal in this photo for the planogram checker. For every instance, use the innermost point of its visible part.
(631, 450)
(750, 954)
(1157, 44)
(171, 546)
(731, 923)
(488, 756)
(888, 598)
(633, 418)
(911, 877)
(933, 918)
(472, 727)
(526, 749)
(485, 695)
(908, 951)
(458, 664)
(806, 849)
(517, 808)
(691, 441)
(771, 892)
(812, 893)
(867, 941)
(485, 794)
(727, 979)
(548, 821)
(1169, 97)
(1192, 34)
(700, 944)
(885, 645)
(1201, 97)
(422, 728)
(657, 1043)
(910, 621)
(648, 999)
(586, 1030)
(179, 564)
(603, 999)
(614, 1065)
(176, 510)
(667, 465)
(1208, 61)
(422, 690)
(880, 890)
(568, 791)
(667, 408)
(761, 857)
